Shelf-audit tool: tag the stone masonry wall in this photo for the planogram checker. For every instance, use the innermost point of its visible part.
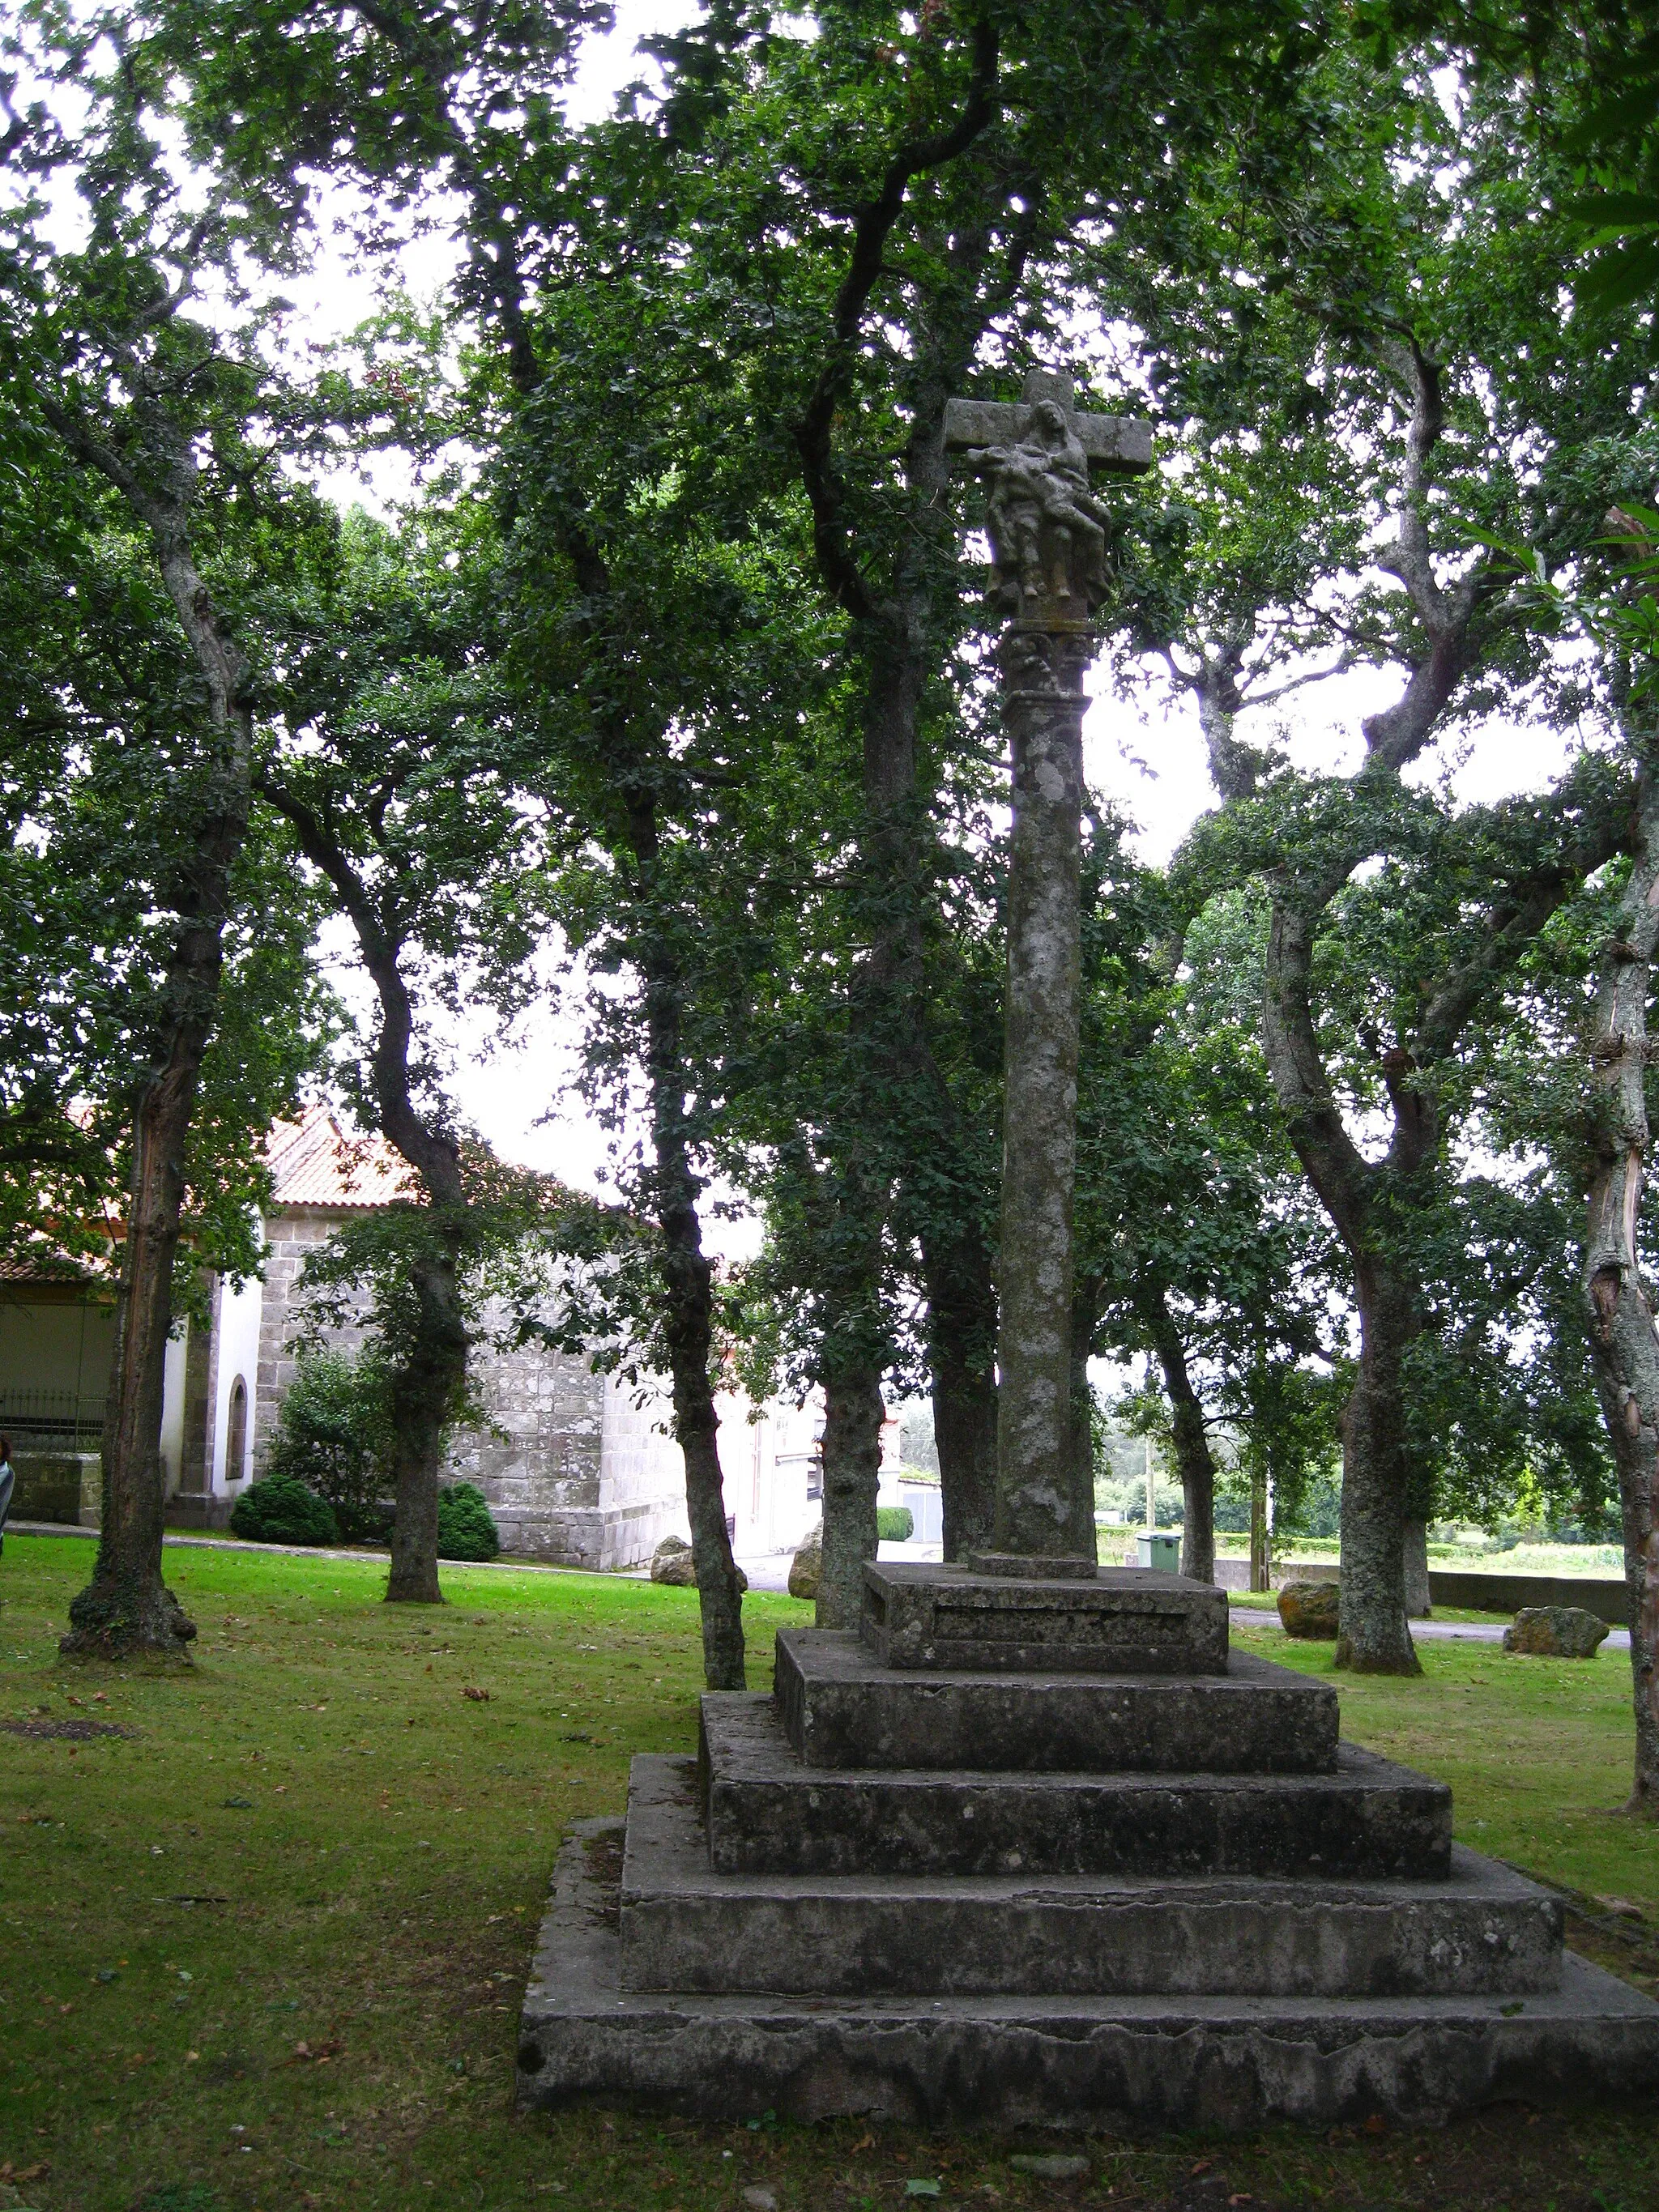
(574, 1474)
(288, 1239)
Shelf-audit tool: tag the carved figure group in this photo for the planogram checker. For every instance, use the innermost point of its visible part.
(1047, 531)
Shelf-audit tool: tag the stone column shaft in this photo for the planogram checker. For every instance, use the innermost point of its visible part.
(1044, 705)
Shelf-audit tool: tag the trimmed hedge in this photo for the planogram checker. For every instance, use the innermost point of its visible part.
(466, 1528)
(281, 1510)
(894, 1524)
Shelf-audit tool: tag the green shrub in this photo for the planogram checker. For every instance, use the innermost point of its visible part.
(894, 1524)
(467, 1529)
(281, 1510)
(334, 1435)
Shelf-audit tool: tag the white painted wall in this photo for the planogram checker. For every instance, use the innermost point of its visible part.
(240, 1313)
(767, 1465)
(172, 1410)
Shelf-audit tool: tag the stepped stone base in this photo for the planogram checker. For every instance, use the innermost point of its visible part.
(841, 1707)
(767, 1814)
(682, 1927)
(1069, 2062)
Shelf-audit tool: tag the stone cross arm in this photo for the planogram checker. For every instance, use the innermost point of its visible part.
(1048, 531)
(1115, 443)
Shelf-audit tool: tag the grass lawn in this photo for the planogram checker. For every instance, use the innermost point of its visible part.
(265, 1950)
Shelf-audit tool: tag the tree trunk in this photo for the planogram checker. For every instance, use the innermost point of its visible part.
(1623, 1340)
(689, 1312)
(1373, 1638)
(424, 1389)
(1260, 1576)
(427, 1381)
(688, 1292)
(1418, 1603)
(962, 1322)
(126, 1609)
(1194, 1459)
(1080, 1427)
(1043, 702)
(851, 1473)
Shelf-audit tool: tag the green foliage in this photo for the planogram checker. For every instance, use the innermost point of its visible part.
(1125, 1500)
(466, 1527)
(281, 1510)
(1232, 1511)
(894, 1524)
(334, 1435)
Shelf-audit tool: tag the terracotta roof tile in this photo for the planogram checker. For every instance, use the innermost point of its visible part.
(313, 1161)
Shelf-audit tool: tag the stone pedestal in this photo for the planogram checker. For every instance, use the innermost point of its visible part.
(1042, 1850)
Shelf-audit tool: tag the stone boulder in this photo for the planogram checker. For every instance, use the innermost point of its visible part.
(670, 1563)
(806, 1568)
(1309, 1610)
(1555, 1631)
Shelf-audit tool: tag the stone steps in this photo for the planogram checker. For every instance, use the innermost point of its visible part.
(1002, 2060)
(841, 1707)
(767, 1814)
(683, 1927)
(1035, 1850)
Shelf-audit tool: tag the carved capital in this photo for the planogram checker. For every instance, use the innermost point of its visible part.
(1042, 665)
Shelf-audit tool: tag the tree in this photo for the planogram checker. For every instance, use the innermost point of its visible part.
(393, 769)
(915, 208)
(1197, 1244)
(1438, 386)
(104, 363)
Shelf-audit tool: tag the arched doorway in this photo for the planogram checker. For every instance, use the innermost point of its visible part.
(236, 1432)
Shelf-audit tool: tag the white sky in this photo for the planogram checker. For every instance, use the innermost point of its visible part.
(1145, 752)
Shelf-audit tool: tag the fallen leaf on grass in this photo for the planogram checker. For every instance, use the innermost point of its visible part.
(320, 2056)
(864, 2142)
(478, 1697)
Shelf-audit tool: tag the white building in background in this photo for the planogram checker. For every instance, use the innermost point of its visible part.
(577, 1467)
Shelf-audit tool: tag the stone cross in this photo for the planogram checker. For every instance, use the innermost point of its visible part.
(1049, 543)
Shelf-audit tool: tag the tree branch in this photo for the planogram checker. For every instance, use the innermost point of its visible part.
(872, 227)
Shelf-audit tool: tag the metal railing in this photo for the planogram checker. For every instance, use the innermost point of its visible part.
(59, 1417)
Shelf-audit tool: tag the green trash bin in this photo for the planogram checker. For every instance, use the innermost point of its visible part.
(1158, 1551)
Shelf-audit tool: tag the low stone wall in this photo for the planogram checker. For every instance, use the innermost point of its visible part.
(188, 1509)
(1471, 1589)
(602, 1538)
(1477, 1592)
(57, 1486)
(1235, 1574)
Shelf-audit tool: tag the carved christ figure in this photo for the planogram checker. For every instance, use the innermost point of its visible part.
(1047, 531)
